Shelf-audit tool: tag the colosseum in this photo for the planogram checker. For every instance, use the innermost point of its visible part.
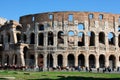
(66, 38)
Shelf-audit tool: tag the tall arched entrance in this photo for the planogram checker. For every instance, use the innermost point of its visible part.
(101, 61)
(0, 59)
(92, 61)
(71, 60)
(49, 60)
(40, 60)
(81, 60)
(112, 61)
(60, 60)
(6, 60)
(25, 50)
(32, 60)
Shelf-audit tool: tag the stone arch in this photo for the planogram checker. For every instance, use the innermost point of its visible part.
(91, 38)
(119, 40)
(91, 61)
(0, 59)
(102, 37)
(24, 38)
(60, 37)
(41, 39)
(71, 60)
(112, 61)
(31, 60)
(81, 60)
(40, 60)
(81, 26)
(8, 37)
(71, 36)
(32, 38)
(101, 61)
(111, 38)
(6, 59)
(41, 27)
(18, 28)
(1, 40)
(81, 39)
(49, 60)
(14, 57)
(90, 16)
(50, 38)
(18, 37)
(25, 50)
(60, 60)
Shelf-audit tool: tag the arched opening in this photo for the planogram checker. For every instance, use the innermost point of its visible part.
(60, 60)
(81, 39)
(32, 60)
(81, 26)
(50, 38)
(81, 60)
(18, 37)
(24, 38)
(91, 38)
(71, 60)
(101, 61)
(6, 60)
(8, 37)
(1, 40)
(41, 39)
(32, 38)
(102, 37)
(119, 40)
(101, 17)
(71, 38)
(41, 27)
(118, 28)
(40, 60)
(14, 59)
(111, 38)
(92, 61)
(18, 28)
(90, 16)
(112, 61)
(60, 37)
(0, 59)
(49, 60)
(25, 49)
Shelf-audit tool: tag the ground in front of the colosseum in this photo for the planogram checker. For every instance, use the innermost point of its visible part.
(57, 75)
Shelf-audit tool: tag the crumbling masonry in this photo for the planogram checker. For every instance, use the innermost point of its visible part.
(90, 39)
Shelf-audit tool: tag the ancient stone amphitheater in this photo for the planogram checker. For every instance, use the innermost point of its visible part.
(68, 38)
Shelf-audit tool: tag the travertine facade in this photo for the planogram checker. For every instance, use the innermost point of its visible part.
(90, 39)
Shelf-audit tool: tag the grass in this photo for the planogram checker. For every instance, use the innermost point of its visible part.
(20, 75)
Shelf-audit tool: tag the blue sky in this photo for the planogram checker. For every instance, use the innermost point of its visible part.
(13, 9)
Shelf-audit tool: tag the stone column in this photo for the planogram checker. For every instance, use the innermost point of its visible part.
(21, 61)
(76, 60)
(97, 61)
(117, 62)
(36, 34)
(106, 61)
(65, 60)
(36, 59)
(54, 60)
(55, 39)
(106, 43)
(76, 40)
(86, 61)
(45, 62)
(65, 40)
(45, 39)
